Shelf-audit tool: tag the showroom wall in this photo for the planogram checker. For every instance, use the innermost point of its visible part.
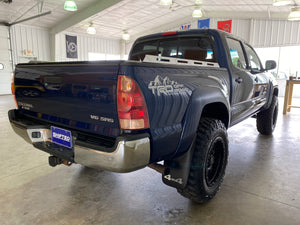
(5, 62)
(29, 43)
(274, 33)
(85, 44)
(32, 43)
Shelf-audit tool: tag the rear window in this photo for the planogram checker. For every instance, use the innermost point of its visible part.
(194, 48)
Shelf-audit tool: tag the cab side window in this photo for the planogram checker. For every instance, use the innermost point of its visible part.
(236, 53)
(253, 60)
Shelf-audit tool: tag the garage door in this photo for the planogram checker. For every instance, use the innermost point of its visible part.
(5, 65)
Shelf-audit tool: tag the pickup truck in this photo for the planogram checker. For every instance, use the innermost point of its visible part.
(168, 107)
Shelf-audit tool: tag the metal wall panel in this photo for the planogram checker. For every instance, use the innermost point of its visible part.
(275, 33)
(32, 39)
(85, 44)
(5, 60)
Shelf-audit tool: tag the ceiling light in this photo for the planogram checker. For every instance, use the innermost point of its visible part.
(91, 29)
(165, 2)
(70, 5)
(281, 2)
(197, 12)
(294, 14)
(126, 36)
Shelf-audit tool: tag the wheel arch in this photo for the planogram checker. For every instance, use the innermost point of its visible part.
(216, 110)
(204, 102)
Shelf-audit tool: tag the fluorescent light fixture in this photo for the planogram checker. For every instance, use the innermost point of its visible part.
(165, 2)
(70, 5)
(281, 2)
(294, 14)
(126, 36)
(197, 12)
(91, 29)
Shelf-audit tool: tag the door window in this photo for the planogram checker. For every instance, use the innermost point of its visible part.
(236, 53)
(253, 59)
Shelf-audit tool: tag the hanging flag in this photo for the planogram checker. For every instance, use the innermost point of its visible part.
(203, 24)
(225, 25)
(71, 47)
(185, 27)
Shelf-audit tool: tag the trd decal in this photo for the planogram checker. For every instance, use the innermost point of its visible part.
(166, 86)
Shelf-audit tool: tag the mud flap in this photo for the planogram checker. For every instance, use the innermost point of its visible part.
(177, 170)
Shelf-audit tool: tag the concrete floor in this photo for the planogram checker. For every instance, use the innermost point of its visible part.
(261, 185)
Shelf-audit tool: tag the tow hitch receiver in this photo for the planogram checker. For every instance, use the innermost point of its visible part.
(54, 161)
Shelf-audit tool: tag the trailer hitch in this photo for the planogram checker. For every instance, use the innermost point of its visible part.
(54, 161)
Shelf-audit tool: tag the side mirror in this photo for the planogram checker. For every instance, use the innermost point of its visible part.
(270, 65)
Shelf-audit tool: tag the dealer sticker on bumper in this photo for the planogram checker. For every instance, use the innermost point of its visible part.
(61, 137)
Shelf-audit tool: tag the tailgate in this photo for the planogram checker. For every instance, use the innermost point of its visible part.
(80, 96)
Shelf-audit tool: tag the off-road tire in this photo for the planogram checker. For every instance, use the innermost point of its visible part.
(266, 120)
(210, 155)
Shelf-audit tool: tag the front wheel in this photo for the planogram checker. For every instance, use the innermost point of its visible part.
(266, 120)
(208, 162)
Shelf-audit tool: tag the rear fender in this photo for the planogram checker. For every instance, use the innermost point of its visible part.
(208, 102)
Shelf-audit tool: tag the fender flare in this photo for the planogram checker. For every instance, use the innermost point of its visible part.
(199, 99)
(177, 169)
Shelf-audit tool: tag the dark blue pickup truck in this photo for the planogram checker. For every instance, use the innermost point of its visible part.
(172, 101)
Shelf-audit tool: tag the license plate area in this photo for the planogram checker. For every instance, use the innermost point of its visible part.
(61, 137)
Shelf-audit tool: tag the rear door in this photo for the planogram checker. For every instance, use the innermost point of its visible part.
(5, 65)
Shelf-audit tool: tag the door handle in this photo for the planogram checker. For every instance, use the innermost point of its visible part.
(239, 80)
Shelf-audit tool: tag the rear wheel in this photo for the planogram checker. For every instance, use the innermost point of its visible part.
(266, 120)
(208, 162)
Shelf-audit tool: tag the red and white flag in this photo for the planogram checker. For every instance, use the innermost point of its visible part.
(225, 25)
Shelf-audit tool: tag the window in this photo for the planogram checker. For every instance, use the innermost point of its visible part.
(168, 48)
(236, 53)
(253, 59)
(141, 49)
(194, 48)
(1, 66)
(199, 49)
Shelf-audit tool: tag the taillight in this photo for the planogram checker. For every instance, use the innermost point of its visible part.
(132, 109)
(13, 89)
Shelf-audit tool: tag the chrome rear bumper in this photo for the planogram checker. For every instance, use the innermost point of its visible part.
(127, 155)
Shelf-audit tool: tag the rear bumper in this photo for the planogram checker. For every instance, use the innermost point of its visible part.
(128, 154)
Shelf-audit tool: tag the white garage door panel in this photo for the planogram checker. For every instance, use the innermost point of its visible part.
(5, 74)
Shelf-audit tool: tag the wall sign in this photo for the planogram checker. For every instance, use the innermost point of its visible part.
(203, 24)
(71, 47)
(225, 25)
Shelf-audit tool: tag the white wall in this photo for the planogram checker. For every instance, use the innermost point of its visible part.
(30, 38)
(275, 33)
(5, 73)
(85, 44)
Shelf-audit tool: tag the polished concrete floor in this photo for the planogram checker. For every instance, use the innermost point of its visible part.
(261, 186)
